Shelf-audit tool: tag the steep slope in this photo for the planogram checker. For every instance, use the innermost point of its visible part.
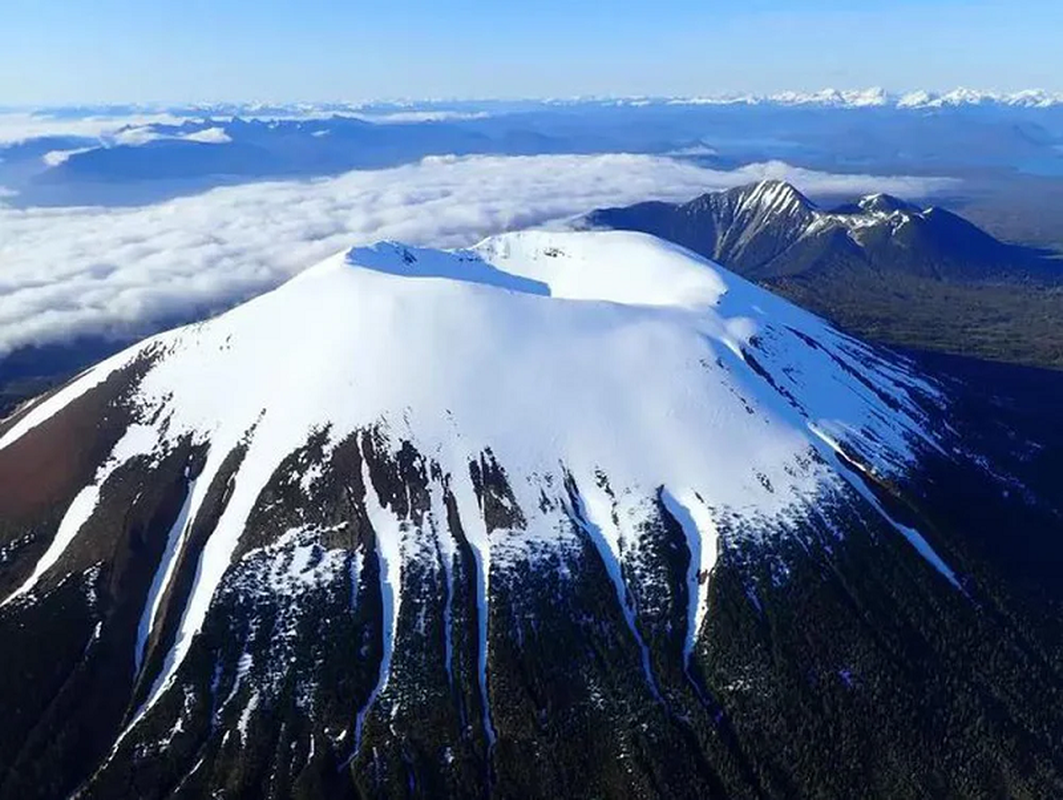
(880, 267)
(564, 514)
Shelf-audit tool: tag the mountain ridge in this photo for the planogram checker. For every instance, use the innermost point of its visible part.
(386, 110)
(879, 98)
(729, 225)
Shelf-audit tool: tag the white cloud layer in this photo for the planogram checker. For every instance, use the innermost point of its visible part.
(66, 272)
(135, 129)
(142, 134)
(19, 126)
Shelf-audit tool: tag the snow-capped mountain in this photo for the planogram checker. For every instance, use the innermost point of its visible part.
(770, 230)
(409, 110)
(565, 514)
(880, 98)
(456, 108)
(1027, 98)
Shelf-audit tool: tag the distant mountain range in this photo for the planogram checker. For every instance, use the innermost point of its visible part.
(413, 110)
(135, 155)
(880, 266)
(877, 98)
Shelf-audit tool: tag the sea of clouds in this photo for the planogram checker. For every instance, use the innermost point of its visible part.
(122, 272)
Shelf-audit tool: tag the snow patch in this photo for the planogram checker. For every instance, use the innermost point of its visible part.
(245, 716)
(701, 538)
(388, 533)
(163, 574)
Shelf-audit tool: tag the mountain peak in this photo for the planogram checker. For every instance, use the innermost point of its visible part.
(324, 541)
(773, 196)
(777, 186)
(881, 203)
(769, 229)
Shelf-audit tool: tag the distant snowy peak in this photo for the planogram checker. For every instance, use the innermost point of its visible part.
(170, 118)
(437, 110)
(880, 98)
(762, 221)
(778, 205)
(1029, 98)
(881, 203)
(775, 197)
(777, 211)
(858, 98)
(769, 229)
(851, 98)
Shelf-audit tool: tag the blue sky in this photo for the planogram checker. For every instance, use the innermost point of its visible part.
(63, 51)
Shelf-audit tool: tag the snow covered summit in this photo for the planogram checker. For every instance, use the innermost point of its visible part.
(377, 492)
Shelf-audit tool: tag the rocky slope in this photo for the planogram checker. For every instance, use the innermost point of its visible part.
(566, 514)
